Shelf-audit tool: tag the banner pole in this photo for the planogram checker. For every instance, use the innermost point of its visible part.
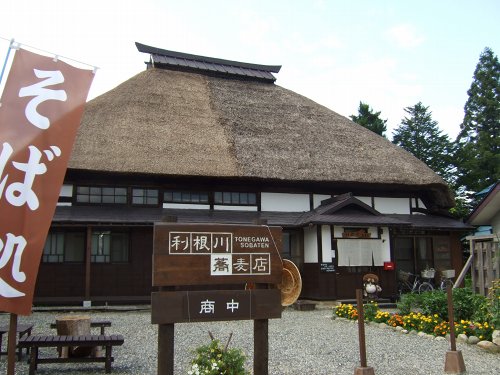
(6, 59)
(11, 345)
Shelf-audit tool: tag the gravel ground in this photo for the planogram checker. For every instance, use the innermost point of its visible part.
(301, 342)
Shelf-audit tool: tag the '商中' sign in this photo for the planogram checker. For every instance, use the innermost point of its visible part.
(216, 254)
(214, 305)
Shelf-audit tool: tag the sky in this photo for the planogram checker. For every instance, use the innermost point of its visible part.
(390, 54)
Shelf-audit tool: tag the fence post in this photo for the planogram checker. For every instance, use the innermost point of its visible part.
(363, 369)
(454, 362)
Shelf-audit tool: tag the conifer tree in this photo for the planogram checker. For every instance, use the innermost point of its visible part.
(369, 119)
(419, 134)
(478, 143)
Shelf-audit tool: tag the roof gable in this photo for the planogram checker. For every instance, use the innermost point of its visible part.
(345, 202)
(347, 210)
(178, 60)
(487, 209)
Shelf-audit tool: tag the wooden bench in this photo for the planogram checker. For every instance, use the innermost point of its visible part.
(35, 342)
(93, 324)
(22, 330)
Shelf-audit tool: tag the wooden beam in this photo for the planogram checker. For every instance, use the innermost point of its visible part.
(88, 251)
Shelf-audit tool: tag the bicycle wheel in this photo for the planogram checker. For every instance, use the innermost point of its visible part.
(445, 283)
(425, 287)
(403, 288)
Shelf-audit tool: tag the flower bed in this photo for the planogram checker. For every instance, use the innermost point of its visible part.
(431, 324)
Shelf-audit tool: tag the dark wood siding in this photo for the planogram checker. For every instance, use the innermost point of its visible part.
(60, 280)
(108, 281)
(317, 285)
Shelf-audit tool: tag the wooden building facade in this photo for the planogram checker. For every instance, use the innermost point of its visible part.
(203, 140)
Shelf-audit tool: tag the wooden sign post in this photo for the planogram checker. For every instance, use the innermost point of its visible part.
(454, 361)
(188, 257)
(364, 369)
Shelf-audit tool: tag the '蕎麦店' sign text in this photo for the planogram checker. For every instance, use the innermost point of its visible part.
(216, 254)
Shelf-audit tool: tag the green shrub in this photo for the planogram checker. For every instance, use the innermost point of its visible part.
(370, 311)
(408, 303)
(434, 302)
(466, 303)
(494, 303)
(212, 359)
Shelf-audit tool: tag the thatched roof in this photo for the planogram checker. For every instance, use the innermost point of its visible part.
(177, 123)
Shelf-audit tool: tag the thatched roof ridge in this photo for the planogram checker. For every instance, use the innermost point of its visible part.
(177, 123)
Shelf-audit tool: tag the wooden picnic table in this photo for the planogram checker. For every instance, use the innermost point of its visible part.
(22, 330)
(94, 323)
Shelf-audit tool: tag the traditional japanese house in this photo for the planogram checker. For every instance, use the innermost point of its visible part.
(204, 140)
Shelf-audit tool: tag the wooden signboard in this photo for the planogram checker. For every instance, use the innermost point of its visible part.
(327, 267)
(204, 254)
(214, 305)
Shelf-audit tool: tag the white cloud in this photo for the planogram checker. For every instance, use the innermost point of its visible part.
(405, 36)
(449, 119)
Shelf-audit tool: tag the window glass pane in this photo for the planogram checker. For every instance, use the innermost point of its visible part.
(177, 197)
(100, 246)
(121, 199)
(186, 197)
(137, 200)
(252, 198)
(82, 198)
(74, 250)
(203, 197)
(95, 190)
(195, 198)
(226, 197)
(138, 192)
(218, 197)
(286, 253)
(95, 199)
(235, 198)
(106, 199)
(442, 253)
(153, 193)
(82, 190)
(119, 247)
(152, 200)
(243, 198)
(167, 196)
(108, 191)
(121, 191)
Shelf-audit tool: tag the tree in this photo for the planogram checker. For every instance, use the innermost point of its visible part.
(420, 135)
(369, 119)
(478, 143)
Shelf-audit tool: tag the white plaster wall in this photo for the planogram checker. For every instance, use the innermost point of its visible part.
(415, 202)
(187, 206)
(392, 205)
(326, 244)
(310, 245)
(365, 200)
(495, 224)
(317, 198)
(66, 191)
(386, 244)
(235, 208)
(284, 202)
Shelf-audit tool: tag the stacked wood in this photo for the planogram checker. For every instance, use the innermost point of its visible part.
(73, 325)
